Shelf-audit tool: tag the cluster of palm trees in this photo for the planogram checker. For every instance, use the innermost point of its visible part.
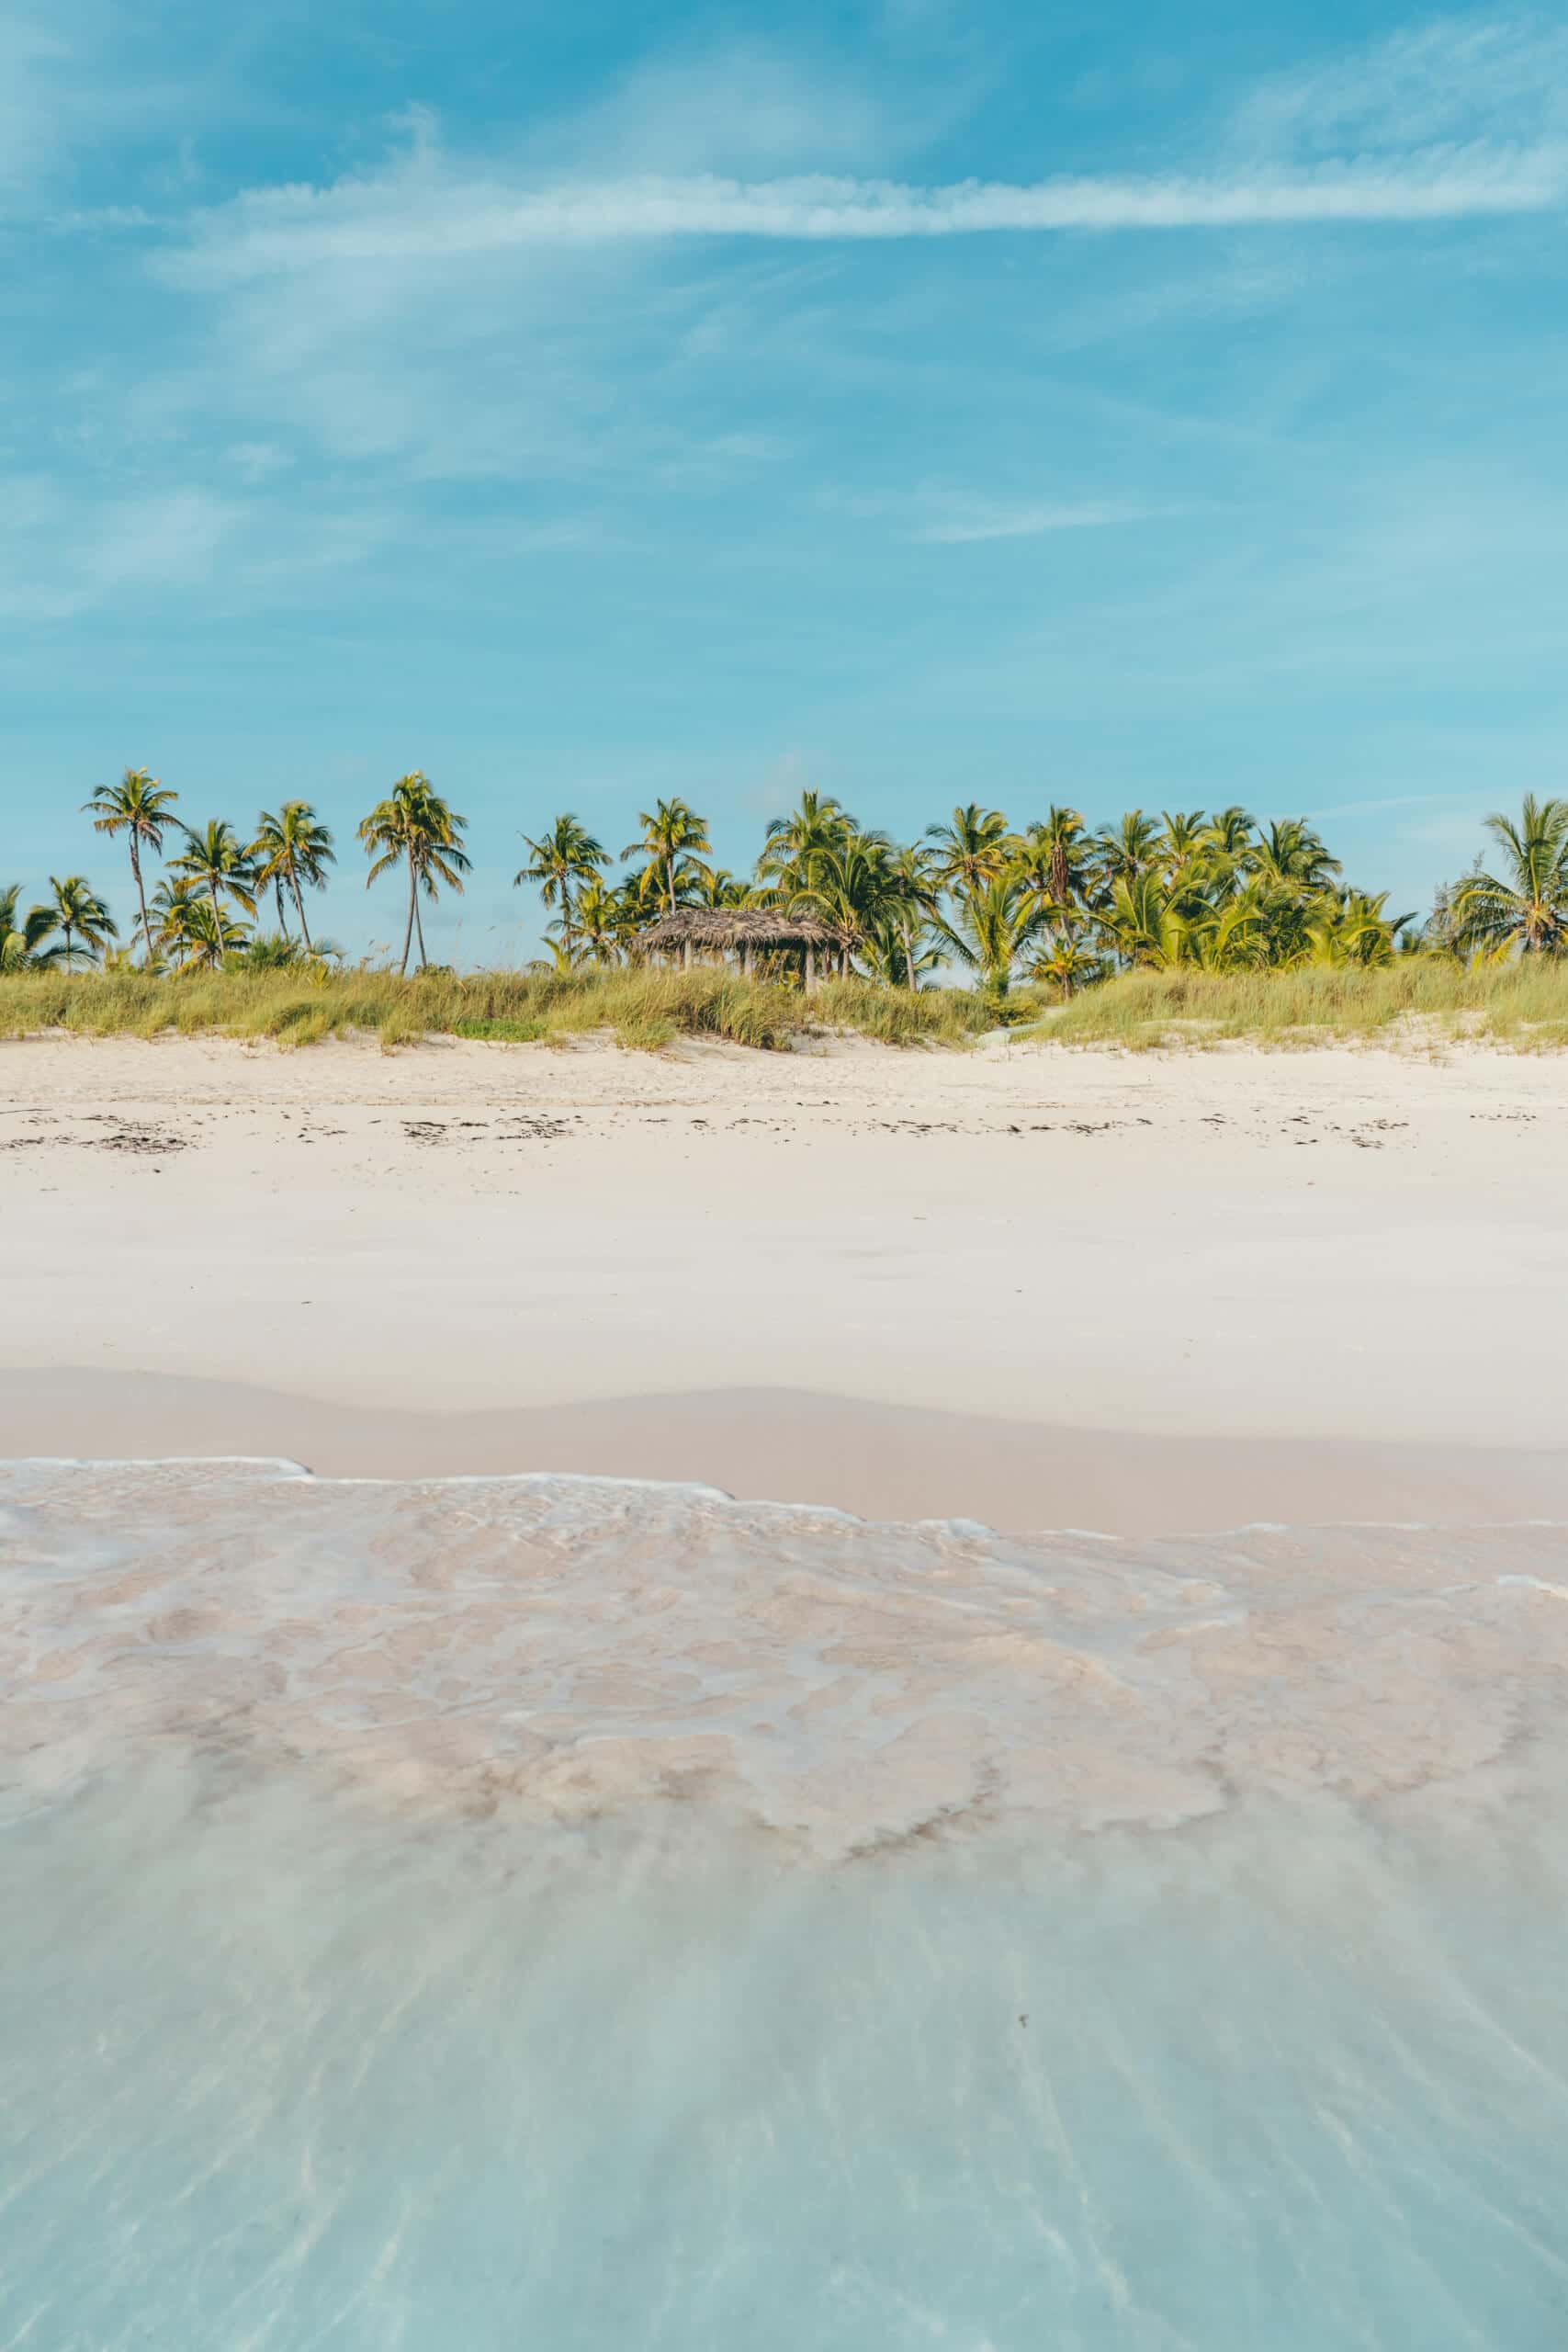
(1053, 901)
(216, 877)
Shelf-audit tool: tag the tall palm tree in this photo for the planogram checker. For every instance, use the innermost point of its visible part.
(78, 913)
(1526, 906)
(792, 843)
(971, 849)
(141, 808)
(292, 847)
(672, 836)
(1051, 863)
(991, 928)
(851, 888)
(220, 861)
(1060, 844)
(560, 861)
(413, 826)
(912, 900)
(21, 935)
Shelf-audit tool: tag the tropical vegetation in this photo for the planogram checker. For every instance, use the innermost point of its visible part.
(1054, 921)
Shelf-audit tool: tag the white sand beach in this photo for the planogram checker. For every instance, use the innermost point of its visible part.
(1029, 1286)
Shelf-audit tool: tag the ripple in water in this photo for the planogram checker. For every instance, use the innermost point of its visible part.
(540, 1913)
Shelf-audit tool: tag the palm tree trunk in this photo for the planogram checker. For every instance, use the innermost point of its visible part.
(217, 920)
(909, 954)
(669, 881)
(65, 927)
(407, 933)
(419, 934)
(300, 908)
(141, 899)
(277, 894)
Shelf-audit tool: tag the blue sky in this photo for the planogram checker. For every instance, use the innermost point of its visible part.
(920, 401)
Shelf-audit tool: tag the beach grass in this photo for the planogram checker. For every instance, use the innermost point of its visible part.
(1415, 1001)
(644, 1008)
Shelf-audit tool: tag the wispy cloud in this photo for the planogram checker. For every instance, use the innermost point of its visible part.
(1457, 79)
(64, 554)
(280, 231)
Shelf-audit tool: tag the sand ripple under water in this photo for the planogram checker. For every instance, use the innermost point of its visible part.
(550, 1914)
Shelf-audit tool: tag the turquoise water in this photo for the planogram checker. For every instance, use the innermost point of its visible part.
(285, 2064)
(273, 2076)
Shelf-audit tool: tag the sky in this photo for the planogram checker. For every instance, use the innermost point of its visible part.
(923, 401)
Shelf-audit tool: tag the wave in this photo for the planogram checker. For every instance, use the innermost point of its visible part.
(566, 1648)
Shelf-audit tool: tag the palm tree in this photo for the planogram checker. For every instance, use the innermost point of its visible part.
(716, 887)
(414, 826)
(1184, 859)
(792, 843)
(1525, 907)
(565, 856)
(219, 861)
(21, 935)
(971, 850)
(1051, 863)
(189, 928)
(1058, 844)
(138, 806)
(851, 889)
(603, 920)
(1124, 852)
(1291, 859)
(672, 836)
(1228, 842)
(1142, 923)
(293, 847)
(910, 910)
(77, 911)
(1353, 929)
(1230, 933)
(994, 925)
(1065, 964)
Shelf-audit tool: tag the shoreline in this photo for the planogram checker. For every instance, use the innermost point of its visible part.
(1134, 1296)
(881, 1463)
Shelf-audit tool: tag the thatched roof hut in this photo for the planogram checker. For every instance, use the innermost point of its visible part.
(738, 930)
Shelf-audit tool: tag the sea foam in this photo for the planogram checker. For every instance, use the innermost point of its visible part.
(555, 1912)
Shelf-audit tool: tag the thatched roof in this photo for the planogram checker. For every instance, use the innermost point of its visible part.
(732, 927)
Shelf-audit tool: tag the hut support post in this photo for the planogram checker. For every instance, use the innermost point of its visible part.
(748, 959)
(687, 956)
(810, 969)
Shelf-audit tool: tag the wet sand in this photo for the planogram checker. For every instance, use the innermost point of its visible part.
(880, 1462)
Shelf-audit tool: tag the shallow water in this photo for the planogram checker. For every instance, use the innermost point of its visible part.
(543, 1913)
